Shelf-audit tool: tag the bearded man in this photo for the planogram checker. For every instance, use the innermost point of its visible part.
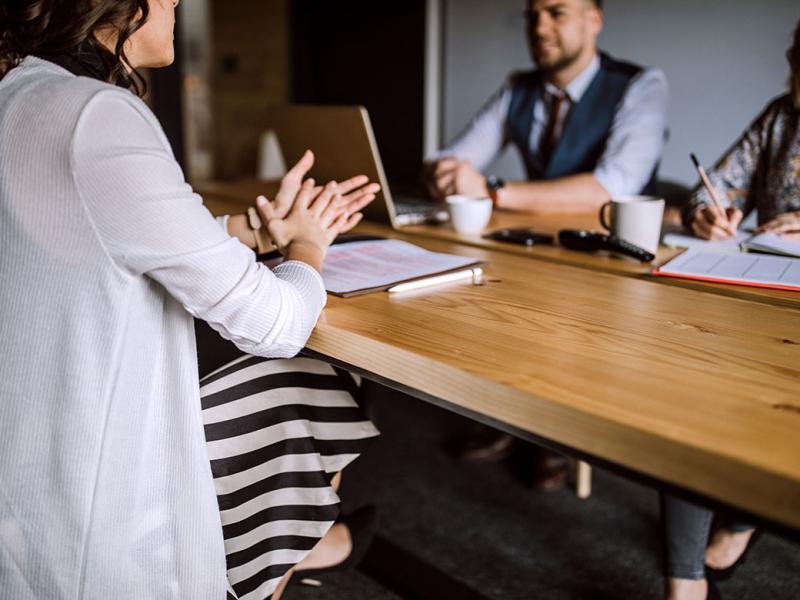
(587, 127)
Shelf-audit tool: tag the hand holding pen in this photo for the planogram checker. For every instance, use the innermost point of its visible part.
(713, 222)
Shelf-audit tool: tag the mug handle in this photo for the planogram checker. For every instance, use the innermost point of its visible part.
(603, 221)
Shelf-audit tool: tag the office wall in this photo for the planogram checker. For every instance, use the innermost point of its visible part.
(724, 60)
(249, 70)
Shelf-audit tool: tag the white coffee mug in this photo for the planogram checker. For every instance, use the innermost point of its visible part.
(635, 219)
(469, 215)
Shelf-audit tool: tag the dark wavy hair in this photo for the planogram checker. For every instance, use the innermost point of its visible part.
(70, 27)
(793, 54)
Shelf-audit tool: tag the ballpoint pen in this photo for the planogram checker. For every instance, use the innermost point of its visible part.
(709, 188)
(436, 280)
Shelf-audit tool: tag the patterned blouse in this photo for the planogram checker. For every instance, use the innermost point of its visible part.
(762, 169)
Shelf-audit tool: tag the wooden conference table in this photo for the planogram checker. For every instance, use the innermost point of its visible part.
(700, 391)
(595, 262)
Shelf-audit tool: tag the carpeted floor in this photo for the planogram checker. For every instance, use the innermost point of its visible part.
(496, 537)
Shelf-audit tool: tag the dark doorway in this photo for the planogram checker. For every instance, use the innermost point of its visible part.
(166, 96)
(369, 53)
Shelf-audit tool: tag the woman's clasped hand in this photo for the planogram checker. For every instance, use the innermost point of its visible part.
(303, 212)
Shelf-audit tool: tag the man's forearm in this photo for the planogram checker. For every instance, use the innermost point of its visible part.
(574, 194)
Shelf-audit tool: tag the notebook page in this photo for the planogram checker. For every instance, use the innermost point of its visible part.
(685, 240)
(776, 244)
(742, 268)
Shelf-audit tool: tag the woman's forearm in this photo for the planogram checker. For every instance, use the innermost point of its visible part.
(239, 228)
(306, 252)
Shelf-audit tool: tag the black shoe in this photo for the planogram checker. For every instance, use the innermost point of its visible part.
(362, 525)
(725, 574)
(488, 445)
(549, 470)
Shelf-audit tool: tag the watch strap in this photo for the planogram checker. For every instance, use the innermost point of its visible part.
(263, 242)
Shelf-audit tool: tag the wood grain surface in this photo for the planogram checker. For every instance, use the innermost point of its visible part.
(603, 262)
(235, 196)
(698, 390)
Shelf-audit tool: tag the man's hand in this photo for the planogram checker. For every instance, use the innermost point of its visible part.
(709, 224)
(449, 175)
(787, 225)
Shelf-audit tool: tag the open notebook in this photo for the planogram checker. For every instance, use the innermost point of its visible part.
(757, 270)
(767, 243)
(771, 243)
(360, 267)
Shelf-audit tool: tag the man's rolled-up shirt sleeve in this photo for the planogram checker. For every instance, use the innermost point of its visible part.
(638, 136)
(485, 136)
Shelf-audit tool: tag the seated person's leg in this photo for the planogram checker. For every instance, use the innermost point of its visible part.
(686, 529)
(279, 432)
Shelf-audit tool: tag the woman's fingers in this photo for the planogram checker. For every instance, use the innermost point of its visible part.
(357, 199)
(332, 211)
(305, 195)
(299, 170)
(323, 199)
(704, 225)
(785, 223)
(348, 185)
(372, 188)
(350, 222)
(291, 183)
(354, 220)
(735, 217)
(714, 225)
(265, 209)
(356, 205)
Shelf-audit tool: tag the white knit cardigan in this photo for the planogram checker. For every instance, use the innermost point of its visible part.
(106, 254)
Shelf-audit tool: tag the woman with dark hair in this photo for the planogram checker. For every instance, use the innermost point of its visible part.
(106, 490)
(761, 172)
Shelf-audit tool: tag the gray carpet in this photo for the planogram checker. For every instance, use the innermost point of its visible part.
(490, 532)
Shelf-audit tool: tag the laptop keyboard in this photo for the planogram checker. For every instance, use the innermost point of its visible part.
(410, 210)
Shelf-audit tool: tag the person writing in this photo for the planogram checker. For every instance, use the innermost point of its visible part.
(106, 490)
(760, 172)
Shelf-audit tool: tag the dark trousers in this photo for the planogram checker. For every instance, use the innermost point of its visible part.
(686, 531)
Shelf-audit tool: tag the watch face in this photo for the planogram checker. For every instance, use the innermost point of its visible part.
(494, 183)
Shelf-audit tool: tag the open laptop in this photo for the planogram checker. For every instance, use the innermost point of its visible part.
(344, 145)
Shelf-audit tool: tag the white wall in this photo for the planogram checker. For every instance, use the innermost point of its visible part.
(724, 60)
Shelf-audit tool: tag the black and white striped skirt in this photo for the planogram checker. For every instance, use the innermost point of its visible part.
(277, 431)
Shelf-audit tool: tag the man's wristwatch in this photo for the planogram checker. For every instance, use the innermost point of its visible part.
(494, 185)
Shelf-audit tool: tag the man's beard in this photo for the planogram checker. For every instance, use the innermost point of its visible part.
(559, 64)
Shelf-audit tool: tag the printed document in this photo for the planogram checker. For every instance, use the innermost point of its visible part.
(359, 267)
